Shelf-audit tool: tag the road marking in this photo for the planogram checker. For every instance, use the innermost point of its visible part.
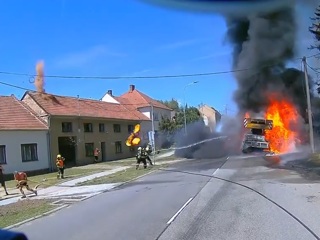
(215, 171)
(218, 168)
(180, 210)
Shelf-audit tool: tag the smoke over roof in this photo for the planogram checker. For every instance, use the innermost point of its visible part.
(264, 43)
(39, 81)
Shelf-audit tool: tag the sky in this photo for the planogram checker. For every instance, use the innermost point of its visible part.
(121, 38)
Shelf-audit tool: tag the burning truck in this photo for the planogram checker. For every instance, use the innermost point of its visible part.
(255, 141)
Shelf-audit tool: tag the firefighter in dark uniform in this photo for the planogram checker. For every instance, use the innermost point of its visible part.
(148, 150)
(141, 157)
(2, 180)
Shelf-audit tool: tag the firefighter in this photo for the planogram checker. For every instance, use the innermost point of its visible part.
(141, 158)
(22, 181)
(2, 181)
(60, 165)
(148, 150)
(96, 154)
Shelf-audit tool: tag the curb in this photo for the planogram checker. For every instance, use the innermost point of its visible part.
(34, 218)
(143, 175)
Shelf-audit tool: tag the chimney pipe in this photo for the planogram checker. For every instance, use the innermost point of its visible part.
(132, 87)
(110, 92)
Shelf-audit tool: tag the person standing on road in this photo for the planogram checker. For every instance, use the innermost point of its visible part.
(96, 154)
(22, 181)
(60, 165)
(2, 181)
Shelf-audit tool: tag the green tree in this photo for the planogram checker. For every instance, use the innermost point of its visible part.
(173, 104)
(315, 29)
(171, 125)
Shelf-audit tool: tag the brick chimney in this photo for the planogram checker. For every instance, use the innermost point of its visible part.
(110, 92)
(132, 87)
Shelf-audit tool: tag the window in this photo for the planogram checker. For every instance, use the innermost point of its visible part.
(130, 128)
(66, 126)
(29, 152)
(116, 128)
(3, 159)
(88, 127)
(155, 116)
(118, 147)
(101, 127)
(89, 149)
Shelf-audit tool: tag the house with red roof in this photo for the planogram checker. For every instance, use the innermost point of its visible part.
(135, 100)
(77, 126)
(23, 137)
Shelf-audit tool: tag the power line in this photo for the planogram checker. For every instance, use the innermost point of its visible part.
(31, 76)
(15, 86)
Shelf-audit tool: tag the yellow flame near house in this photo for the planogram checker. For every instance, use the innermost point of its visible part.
(134, 139)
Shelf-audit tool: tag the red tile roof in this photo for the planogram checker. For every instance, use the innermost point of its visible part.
(15, 115)
(139, 99)
(71, 106)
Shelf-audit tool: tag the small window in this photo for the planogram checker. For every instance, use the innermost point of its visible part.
(130, 128)
(101, 127)
(89, 149)
(116, 128)
(66, 127)
(29, 152)
(155, 116)
(3, 159)
(88, 127)
(118, 147)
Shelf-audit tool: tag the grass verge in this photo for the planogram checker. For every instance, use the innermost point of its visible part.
(50, 179)
(122, 176)
(22, 210)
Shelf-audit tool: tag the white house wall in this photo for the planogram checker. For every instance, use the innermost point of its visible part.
(158, 114)
(108, 98)
(146, 111)
(13, 140)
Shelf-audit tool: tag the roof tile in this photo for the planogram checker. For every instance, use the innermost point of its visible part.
(71, 106)
(139, 99)
(15, 115)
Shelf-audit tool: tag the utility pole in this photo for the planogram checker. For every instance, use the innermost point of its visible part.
(304, 60)
(226, 109)
(152, 135)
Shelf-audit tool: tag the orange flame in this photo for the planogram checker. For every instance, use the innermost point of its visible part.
(281, 138)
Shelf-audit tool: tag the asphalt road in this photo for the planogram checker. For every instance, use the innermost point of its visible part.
(247, 199)
(139, 210)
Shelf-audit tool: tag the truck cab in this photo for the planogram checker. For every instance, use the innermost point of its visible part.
(255, 140)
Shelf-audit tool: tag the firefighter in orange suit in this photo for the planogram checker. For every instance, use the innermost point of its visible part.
(22, 181)
(60, 165)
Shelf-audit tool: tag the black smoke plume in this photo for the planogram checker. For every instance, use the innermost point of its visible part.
(264, 43)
